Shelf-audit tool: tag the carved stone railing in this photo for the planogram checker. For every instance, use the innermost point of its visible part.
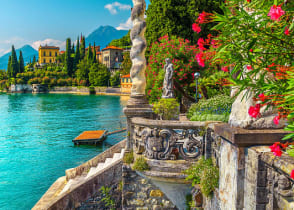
(168, 140)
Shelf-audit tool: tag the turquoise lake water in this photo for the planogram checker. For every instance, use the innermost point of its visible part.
(36, 133)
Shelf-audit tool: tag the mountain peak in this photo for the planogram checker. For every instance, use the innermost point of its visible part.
(103, 35)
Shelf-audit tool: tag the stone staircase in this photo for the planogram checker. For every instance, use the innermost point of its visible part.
(69, 190)
(72, 183)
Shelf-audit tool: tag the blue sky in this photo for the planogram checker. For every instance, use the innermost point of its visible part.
(38, 22)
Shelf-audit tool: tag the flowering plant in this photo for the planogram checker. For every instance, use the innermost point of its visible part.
(185, 64)
(256, 45)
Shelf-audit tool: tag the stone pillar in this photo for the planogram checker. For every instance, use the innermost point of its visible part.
(138, 105)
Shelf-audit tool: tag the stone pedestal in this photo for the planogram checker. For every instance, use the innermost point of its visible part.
(137, 106)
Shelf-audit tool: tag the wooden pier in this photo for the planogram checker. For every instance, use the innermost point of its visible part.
(90, 137)
(94, 137)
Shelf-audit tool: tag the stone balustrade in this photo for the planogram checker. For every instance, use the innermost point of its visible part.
(168, 140)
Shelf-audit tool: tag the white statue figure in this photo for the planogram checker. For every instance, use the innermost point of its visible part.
(168, 85)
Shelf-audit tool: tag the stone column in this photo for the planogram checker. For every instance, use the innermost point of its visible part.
(138, 105)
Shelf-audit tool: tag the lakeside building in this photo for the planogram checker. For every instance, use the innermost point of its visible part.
(48, 54)
(112, 58)
(125, 84)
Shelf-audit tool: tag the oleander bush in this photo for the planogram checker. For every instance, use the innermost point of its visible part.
(166, 108)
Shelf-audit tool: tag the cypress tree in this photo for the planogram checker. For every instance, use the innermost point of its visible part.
(14, 63)
(83, 47)
(34, 60)
(94, 54)
(21, 63)
(68, 59)
(77, 56)
(9, 67)
(89, 53)
(73, 48)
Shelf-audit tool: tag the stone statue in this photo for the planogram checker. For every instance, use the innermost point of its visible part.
(168, 84)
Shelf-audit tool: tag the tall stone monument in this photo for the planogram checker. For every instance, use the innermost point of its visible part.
(138, 105)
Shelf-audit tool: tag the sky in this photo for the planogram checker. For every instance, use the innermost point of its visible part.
(36, 22)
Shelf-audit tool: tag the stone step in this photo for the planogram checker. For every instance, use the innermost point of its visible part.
(108, 161)
(116, 157)
(122, 153)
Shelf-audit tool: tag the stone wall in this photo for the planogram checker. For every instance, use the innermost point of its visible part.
(20, 88)
(139, 193)
(251, 177)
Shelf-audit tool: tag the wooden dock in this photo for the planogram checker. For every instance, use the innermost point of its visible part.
(90, 137)
(94, 137)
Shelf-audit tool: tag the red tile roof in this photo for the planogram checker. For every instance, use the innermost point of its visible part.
(126, 76)
(113, 48)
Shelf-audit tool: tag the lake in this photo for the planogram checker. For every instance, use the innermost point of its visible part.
(36, 133)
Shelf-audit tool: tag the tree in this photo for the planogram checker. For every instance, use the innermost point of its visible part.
(77, 56)
(34, 60)
(115, 79)
(176, 18)
(82, 72)
(9, 67)
(123, 42)
(94, 54)
(14, 63)
(21, 63)
(68, 58)
(83, 48)
(90, 54)
(73, 48)
(126, 64)
(99, 75)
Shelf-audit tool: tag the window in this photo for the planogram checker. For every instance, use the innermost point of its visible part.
(44, 61)
(55, 53)
(44, 53)
(50, 55)
(50, 61)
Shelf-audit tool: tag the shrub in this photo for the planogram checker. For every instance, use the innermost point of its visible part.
(204, 173)
(45, 80)
(109, 202)
(166, 108)
(61, 82)
(216, 108)
(140, 164)
(20, 81)
(129, 157)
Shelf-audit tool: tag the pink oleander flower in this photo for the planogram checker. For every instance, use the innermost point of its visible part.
(196, 28)
(250, 50)
(261, 97)
(292, 174)
(201, 18)
(225, 69)
(277, 120)
(254, 111)
(287, 32)
(201, 43)
(249, 67)
(200, 60)
(276, 12)
(276, 149)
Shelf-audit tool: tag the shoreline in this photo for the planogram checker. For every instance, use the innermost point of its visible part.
(69, 90)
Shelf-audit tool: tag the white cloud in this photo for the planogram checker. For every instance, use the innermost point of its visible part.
(125, 26)
(116, 6)
(50, 42)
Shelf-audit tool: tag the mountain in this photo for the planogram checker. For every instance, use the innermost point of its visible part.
(104, 35)
(27, 52)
